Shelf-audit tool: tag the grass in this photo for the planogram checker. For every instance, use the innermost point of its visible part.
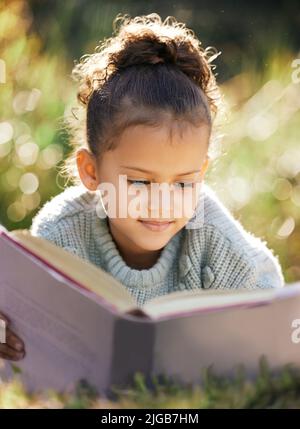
(268, 390)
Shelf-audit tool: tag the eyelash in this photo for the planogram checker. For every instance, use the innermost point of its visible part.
(188, 184)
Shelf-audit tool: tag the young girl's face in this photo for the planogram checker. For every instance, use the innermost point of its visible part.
(147, 155)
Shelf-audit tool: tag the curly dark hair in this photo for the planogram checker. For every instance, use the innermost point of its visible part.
(148, 72)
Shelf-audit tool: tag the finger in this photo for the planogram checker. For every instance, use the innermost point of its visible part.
(14, 357)
(8, 353)
(14, 341)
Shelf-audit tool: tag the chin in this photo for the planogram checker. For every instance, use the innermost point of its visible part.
(153, 243)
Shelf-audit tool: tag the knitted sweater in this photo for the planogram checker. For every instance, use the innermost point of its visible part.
(218, 254)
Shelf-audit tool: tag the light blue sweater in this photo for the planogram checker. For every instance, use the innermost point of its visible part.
(218, 254)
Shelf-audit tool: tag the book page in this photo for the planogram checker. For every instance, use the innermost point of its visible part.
(184, 302)
(75, 268)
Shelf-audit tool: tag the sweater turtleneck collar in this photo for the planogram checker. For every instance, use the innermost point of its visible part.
(131, 277)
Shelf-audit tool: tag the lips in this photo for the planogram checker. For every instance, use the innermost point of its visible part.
(155, 225)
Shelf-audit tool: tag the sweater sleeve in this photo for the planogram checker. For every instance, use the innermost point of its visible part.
(61, 232)
(55, 234)
(246, 249)
(267, 269)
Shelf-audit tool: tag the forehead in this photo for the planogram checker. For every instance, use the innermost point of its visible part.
(176, 149)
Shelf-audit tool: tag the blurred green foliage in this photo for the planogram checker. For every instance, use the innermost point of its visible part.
(255, 167)
(33, 100)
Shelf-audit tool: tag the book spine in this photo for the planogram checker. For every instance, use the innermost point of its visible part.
(133, 350)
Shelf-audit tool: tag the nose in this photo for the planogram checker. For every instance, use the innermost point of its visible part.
(160, 205)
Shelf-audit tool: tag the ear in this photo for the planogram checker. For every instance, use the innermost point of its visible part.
(204, 166)
(86, 168)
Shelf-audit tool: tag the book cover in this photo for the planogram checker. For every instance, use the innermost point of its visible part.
(77, 322)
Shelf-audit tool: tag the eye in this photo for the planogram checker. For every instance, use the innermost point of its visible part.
(185, 184)
(147, 182)
(138, 182)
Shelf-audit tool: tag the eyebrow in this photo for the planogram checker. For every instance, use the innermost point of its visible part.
(151, 172)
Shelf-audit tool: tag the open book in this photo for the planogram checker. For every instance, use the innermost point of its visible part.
(77, 321)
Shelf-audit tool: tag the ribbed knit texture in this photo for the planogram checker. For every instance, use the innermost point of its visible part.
(218, 254)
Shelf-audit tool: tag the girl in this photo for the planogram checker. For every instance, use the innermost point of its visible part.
(149, 98)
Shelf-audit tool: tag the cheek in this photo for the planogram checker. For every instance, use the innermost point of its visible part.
(185, 203)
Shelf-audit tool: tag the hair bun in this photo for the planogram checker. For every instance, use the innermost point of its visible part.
(146, 49)
(147, 40)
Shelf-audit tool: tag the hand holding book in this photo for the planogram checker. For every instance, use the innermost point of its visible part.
(13, 348)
